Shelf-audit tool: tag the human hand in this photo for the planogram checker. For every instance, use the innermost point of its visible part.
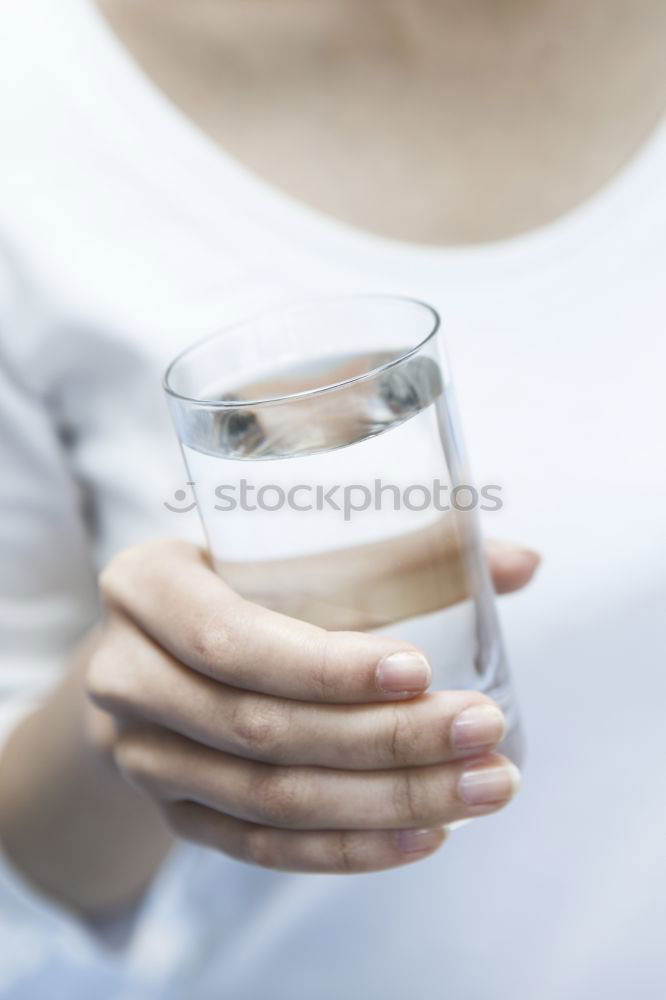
(277, 741)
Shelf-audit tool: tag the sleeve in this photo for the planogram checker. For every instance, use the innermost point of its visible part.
(52, 540)
(47, 586)
(48, 600)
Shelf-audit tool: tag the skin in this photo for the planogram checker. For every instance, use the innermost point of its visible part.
(193, 711)
(435, 121)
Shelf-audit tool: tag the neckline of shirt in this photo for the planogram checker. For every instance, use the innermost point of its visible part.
(553, 245)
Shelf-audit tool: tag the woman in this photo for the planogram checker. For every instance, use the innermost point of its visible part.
(167, 167)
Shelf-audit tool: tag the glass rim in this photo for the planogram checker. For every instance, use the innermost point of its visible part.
(225, 404)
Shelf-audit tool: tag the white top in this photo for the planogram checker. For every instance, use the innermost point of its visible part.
(125, 234)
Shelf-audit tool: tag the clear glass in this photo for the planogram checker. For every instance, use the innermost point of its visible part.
(323, 446)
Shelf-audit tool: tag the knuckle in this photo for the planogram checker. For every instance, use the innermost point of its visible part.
(260, 728)
(190, 821)
(113, 579)
(134, 757)
(126, 570)
(213, 641)
(108, 685)
(325, 677)
(97, 679)
(258, 847)
(409, 798)
(279, 798)
(344, 853)
(400, 741)
(101, 732)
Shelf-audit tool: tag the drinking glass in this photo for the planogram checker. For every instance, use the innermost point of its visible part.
(323, 445)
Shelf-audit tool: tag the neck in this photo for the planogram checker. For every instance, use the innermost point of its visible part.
(501, 113)
(335, 30)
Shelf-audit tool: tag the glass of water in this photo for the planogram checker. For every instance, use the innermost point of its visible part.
(323, 447)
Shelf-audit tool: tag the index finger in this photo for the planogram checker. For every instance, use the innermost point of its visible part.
(377, 584)
(170, 591)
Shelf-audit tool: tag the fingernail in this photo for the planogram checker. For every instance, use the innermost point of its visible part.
(417, 841)
(403, 673)
(477, 726)
(481, 786)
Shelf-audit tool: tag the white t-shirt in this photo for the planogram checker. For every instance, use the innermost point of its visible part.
(124, 235)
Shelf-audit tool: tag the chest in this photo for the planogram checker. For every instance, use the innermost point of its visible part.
(465, 131)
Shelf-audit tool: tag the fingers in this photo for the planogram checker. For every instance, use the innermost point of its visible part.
(322, 851)
(171, 768)
(171, 593)
(150, 684)
(511, 566)
(374, 585)
(170, 590)
(364, 586)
